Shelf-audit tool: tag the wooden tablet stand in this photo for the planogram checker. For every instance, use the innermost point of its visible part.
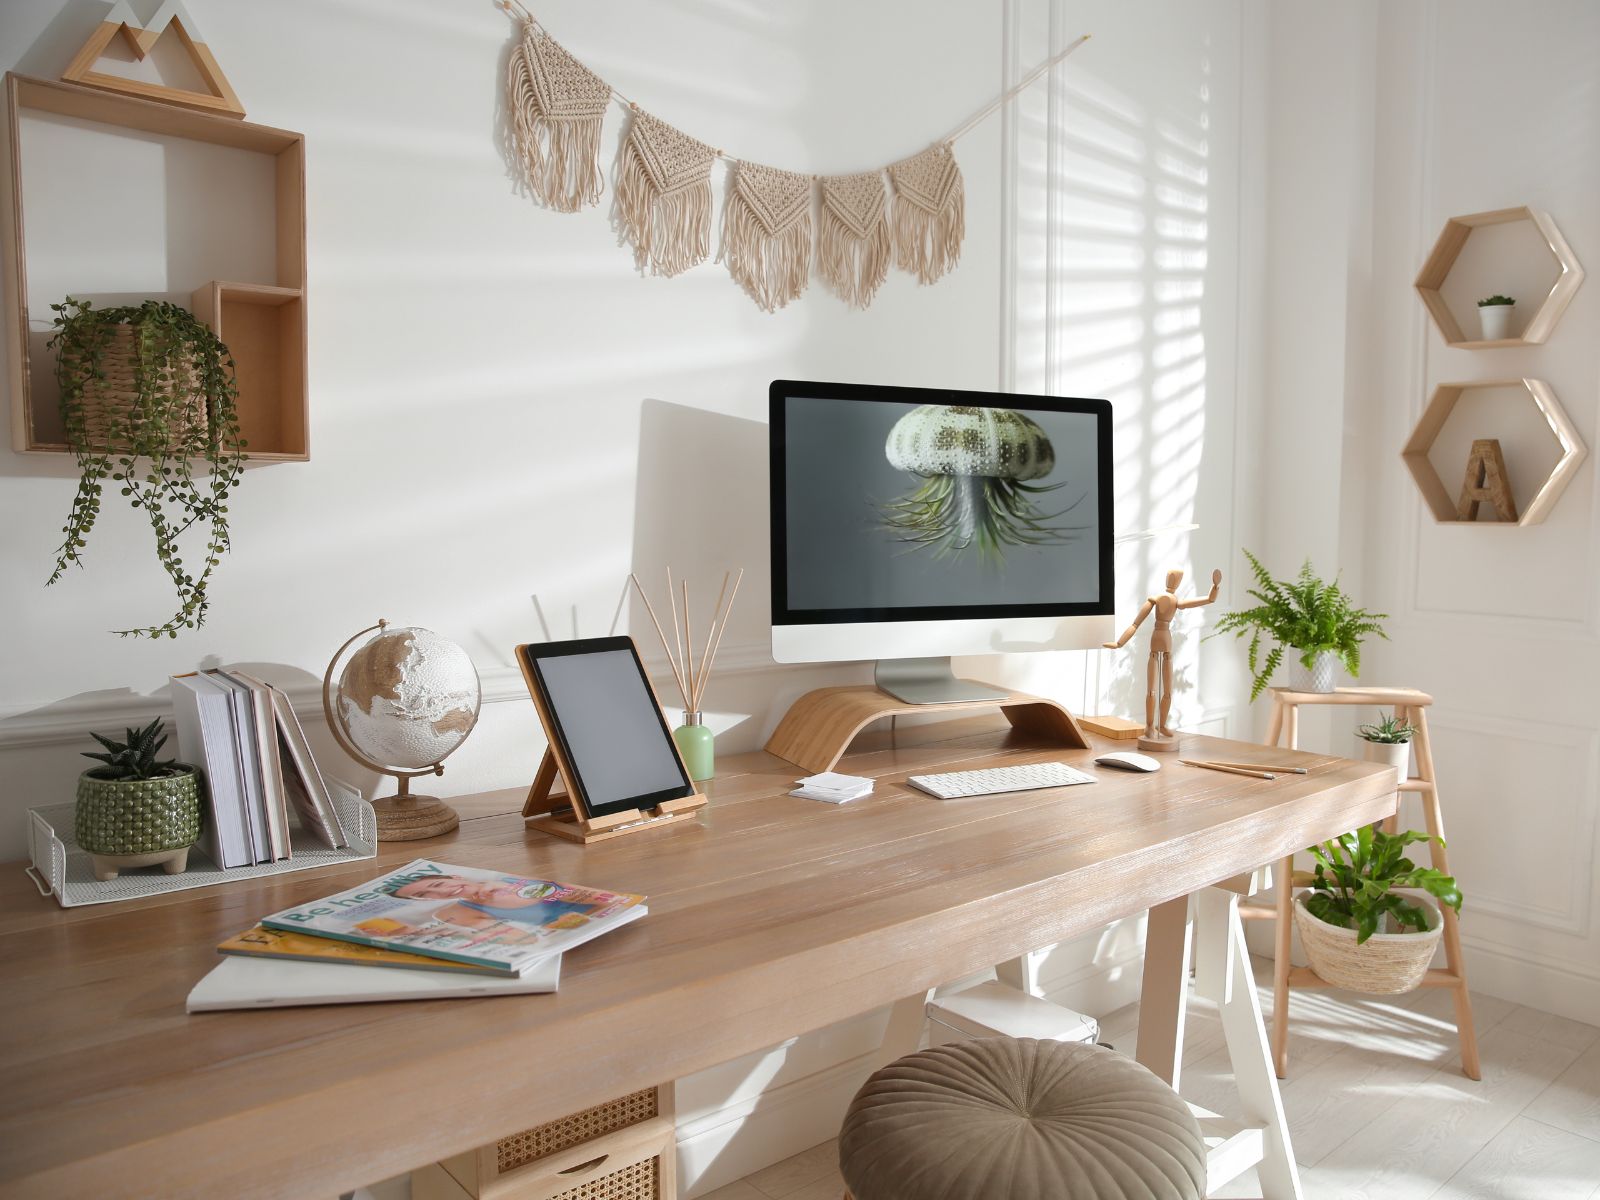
(561, 815)
(819, 726)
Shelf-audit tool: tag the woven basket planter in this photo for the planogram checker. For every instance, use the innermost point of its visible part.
(111, 407)
(120, 816)
(1384, 965)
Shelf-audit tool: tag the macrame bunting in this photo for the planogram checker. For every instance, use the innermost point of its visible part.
(557, 108)
(929, 212)
(766, 233)
(664, 196)
(853, 241)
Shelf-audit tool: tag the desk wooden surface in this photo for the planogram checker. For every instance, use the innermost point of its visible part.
(769, 917)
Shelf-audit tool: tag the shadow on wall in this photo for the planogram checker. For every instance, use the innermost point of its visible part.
(1114, 278)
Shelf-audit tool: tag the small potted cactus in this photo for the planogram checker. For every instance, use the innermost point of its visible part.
(1494, 313)
(135, 810)
(1389, 741)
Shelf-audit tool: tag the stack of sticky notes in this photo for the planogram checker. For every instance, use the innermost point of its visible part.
(833, 788)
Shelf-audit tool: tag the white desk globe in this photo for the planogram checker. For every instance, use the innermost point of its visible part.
(405, 700)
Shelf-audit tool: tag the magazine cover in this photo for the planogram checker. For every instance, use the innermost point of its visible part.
(465, 914)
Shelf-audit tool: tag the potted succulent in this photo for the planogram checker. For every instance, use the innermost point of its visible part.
(1309, 616)
(1359, 931)
(147, 394)
(135, 810)
(1494, 314)
(1389, 741)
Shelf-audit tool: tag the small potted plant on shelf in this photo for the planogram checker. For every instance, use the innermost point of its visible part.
(1389, 741)
(1359, 931)
(1309, 616)
(147, 394)
(1494, 314)
(136, 811)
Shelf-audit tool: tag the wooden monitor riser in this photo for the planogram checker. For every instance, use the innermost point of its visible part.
(820, 725)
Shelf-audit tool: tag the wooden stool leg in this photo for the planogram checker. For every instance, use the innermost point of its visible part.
(1223, 975)
(1163, 996)
(1275, 725)
(1391, 824)
(1439, 857)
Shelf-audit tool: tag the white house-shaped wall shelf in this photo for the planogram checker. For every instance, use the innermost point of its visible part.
(1438, 498)
(1448, 249)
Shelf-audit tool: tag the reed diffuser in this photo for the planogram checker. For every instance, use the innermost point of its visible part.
(695, 741)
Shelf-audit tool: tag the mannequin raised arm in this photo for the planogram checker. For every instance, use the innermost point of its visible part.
(1198, 602)
(1144, 611)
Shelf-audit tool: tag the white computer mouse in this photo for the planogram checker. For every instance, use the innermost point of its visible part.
(1126, 760)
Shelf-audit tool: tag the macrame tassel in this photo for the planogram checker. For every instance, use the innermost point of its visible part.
(557, 107)
(664, 196)
(766, 233)
(853, 243)
(929, 213)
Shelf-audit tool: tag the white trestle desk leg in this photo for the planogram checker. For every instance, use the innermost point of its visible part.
(1222, 975)
(1163, 994)
(1021, 973)
(903, 1034)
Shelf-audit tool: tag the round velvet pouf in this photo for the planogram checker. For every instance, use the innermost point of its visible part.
(1017, 1119)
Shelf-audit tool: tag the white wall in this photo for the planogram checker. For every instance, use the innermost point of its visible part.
(1502, 626)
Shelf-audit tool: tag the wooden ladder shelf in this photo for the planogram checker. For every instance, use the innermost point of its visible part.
(1410, 706)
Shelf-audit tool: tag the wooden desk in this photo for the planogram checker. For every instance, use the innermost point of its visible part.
(770, 917)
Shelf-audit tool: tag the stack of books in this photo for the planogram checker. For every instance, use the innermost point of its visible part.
(243, 735)
(426, 931)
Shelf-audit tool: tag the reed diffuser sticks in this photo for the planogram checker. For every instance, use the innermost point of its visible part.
(691, 676)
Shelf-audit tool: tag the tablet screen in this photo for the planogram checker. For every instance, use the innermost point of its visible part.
(612, 731)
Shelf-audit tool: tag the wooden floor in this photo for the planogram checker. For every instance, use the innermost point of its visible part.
(1377, 1104)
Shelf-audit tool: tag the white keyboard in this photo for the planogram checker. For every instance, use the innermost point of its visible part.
(952, 785)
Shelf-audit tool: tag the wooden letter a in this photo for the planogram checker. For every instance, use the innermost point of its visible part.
(1486, 480)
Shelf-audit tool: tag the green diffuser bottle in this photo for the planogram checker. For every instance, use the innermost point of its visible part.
(698, 745)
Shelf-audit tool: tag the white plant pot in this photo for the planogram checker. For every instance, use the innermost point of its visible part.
(1496, 321)
(1394, 754)
(1319, 678)
(1384, 965)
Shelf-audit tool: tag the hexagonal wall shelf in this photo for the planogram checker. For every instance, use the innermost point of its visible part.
(1437, 412)
(1448, 248)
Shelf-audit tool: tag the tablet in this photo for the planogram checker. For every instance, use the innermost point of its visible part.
(613, 744)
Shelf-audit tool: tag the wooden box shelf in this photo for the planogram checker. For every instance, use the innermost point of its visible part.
(263, 322)
(1453, 239)
(1434, 493)
(265, 330)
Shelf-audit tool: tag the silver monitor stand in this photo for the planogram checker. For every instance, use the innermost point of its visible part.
(929, 681)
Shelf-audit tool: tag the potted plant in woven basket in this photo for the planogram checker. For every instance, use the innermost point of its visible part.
(1310, 616)
(147, 394)
(136, 811)
(1360, 932)
(1389, 741)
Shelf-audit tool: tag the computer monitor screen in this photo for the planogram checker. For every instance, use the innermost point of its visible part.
(916, 505)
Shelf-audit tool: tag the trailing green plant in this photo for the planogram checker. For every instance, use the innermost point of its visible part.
(1308, 615)
(1495, 300)
(134, 758)
(1390, 731)
(150, 448)
(1356, 877)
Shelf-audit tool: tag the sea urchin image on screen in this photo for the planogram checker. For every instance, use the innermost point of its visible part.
(893, 504)
(975, 467)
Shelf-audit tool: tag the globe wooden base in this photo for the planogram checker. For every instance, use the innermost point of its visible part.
(410, 818)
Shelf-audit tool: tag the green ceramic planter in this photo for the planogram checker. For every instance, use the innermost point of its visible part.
(119, 816)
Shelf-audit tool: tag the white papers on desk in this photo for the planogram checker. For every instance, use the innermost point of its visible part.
(833, 788)
(238, 982)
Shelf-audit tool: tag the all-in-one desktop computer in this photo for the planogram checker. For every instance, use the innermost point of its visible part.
(911, 524)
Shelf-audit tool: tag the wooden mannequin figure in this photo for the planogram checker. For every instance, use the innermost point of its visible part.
(1158, 733)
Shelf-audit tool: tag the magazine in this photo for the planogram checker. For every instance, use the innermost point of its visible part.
(279, 944)
(464, 914)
